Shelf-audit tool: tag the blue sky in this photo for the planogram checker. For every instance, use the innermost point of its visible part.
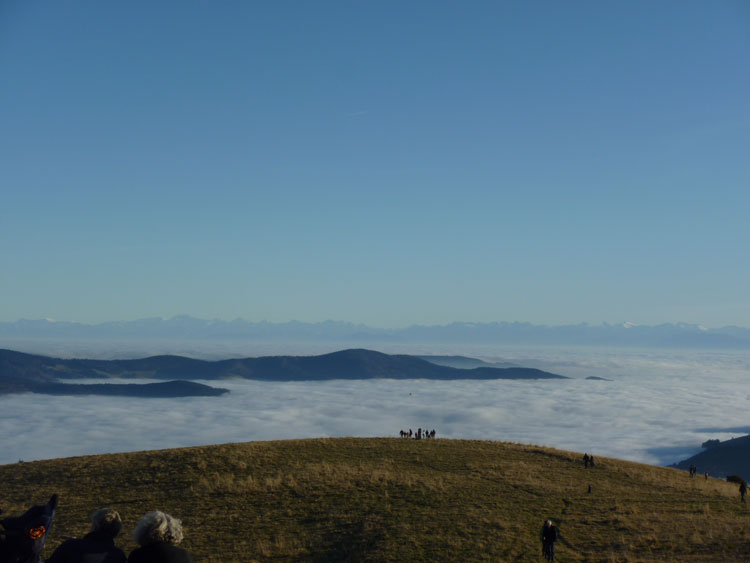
(390, 163)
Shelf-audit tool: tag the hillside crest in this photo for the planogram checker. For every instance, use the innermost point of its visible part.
(392, 499)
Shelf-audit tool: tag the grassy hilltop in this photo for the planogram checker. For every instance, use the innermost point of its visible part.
(390, 499)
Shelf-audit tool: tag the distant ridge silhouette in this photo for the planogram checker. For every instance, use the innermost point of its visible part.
(730, 457)
(144, 390)
(21, 372)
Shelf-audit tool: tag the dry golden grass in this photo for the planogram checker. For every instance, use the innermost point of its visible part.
(356, 499)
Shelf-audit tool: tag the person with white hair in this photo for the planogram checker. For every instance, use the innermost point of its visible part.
(158, 534)
(549, 536)
(98, 546)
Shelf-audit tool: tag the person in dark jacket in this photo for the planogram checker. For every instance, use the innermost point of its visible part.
(22, 537)
(549, 536)
(98, 546)
(158, 535)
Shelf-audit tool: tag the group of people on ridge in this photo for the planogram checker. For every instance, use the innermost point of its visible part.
(419, 434)
(156, 533)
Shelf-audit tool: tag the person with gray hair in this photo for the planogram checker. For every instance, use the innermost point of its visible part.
(158, 534)
(98, 546)
(549, 536)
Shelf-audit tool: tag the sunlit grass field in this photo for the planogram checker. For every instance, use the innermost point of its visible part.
(391, 499)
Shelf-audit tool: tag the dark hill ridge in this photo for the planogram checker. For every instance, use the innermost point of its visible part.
(23, 369)
(166, 389)
(367, 364)
(463, 362)
(730, 457)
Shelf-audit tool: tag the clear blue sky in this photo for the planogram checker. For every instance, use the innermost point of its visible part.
(390, 163)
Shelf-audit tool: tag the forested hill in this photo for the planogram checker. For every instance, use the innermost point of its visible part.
(19, 368)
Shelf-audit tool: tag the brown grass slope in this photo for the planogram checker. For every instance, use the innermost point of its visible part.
(389, 499)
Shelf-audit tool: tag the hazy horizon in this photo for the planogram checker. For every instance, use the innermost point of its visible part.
(216, 340)
(324, 320)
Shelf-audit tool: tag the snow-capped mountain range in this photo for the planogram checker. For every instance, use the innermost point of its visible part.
(185, 327)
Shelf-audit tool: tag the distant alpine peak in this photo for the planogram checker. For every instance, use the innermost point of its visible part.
(689, 326)
(628, 324)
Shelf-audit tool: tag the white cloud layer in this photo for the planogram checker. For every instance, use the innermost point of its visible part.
(658, 407)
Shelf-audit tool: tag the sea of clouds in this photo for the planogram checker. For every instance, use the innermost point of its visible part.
(656, 407)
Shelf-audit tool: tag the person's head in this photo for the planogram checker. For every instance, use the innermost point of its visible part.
(158, 527)
(548, 523)
(106, 520)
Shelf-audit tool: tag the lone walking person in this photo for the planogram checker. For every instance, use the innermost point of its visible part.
(549, 537)
(743, 491)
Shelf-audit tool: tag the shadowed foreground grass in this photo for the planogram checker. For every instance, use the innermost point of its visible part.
(390, 499)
